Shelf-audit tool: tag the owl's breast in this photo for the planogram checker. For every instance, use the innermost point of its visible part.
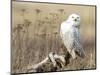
(65, 28)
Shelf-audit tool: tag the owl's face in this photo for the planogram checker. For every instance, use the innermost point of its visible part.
(74, 18)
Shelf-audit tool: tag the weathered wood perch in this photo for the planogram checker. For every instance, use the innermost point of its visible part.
(51, 63)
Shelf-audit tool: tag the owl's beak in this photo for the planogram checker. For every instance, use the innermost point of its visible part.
(75, 19)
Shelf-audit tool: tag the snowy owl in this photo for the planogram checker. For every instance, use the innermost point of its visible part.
(69, 32)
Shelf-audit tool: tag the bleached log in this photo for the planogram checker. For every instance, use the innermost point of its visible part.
(60, 57)
(54, 57)
(34, 68)
(51, 57)
(41, 63)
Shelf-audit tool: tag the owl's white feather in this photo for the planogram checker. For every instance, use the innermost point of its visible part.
(70, 35)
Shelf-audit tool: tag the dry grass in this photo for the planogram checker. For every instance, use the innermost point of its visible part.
(35, 33)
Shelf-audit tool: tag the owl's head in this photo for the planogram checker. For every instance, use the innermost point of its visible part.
(75, 19)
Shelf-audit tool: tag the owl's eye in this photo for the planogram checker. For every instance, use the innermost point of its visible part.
(77, 17)
(72, 17)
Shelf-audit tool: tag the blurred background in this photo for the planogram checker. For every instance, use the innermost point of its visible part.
(35, 33)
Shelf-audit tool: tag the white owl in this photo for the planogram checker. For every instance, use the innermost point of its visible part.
(70, 35)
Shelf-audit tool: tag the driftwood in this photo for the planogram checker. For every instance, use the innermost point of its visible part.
(54, 61)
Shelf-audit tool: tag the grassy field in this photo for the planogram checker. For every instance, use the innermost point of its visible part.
(35, 33)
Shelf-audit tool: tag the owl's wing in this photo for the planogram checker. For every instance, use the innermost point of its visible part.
(66, 36)
(64, 28)
(77, 45)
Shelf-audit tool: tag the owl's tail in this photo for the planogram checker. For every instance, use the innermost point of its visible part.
(81, 53)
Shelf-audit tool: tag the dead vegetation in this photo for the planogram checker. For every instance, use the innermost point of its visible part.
(35, 33)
